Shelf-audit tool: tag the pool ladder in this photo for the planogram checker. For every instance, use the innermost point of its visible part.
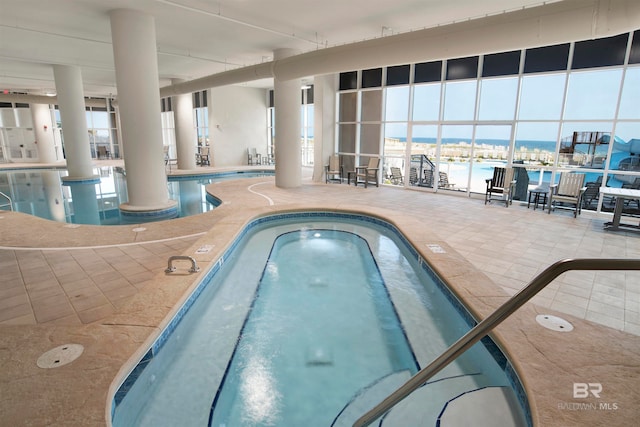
(170, 268)
(487, 325)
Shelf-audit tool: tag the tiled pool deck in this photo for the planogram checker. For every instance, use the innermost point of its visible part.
(104, 287)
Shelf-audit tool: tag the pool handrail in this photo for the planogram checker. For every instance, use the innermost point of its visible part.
(488, 324)
(10, 204)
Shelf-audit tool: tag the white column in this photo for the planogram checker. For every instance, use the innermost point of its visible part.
(134, 50)
(287, 101)
(324, 123)
(74, 122)
(43, 129)
(185, 132)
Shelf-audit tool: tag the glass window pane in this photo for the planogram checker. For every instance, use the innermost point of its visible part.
(423, 155)
(498, 99)
(501, 64)
(541, 97)
(349, 80)
(600, 52)
(397, 104)
(372, 77)
(372, 105)
(593, 94)
(634, 55)
(347, 138)
(100, 119)
(490, 149)
(455, 154)
(427, 72)
(535, 143)
(370, 139)
(462, 68)
(398, 75)
(348, 103)
(630, 100)
(548, 58)
(395, 142)
(459, 100)
(582, 144)
(626, 147)
(426, 102)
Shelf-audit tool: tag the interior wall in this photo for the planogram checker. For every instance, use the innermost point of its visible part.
(237, 121)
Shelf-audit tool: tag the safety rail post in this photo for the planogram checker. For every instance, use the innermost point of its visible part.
(10, 204)
(487, 325)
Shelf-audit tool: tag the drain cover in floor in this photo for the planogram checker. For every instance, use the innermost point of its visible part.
(60, 356)
(554, 323)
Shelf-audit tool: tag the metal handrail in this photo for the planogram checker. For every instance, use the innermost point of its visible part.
(10, 204)
(483, 328)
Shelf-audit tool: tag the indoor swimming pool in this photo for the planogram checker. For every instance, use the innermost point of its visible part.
(311, 319)
(41, 192)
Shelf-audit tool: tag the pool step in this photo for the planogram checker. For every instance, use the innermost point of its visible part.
(370, 396)
(489, 406)
(459, 400)
(423, 406)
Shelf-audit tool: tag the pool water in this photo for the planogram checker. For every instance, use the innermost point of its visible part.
(302, 353)
(310, 320)
(40, 192)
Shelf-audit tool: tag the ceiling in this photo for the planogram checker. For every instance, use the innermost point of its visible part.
(197, 38)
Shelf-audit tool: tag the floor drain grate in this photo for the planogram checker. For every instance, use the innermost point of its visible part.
(554, 323)
(60, 356)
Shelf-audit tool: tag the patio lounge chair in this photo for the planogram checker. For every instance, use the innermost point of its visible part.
(396, 176)
(333, 169)
(502, 184)
(443, 181)
(413, 176)
(368, 174)
(568, 191)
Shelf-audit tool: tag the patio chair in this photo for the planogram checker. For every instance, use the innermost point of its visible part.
(203, 157)
(635, 185)
(413, 176)
(443, 181)
(501, 184)
(591, 194)
(103, 153)
(368, 174)
(396, 176)
(568, 191)
(333, 169)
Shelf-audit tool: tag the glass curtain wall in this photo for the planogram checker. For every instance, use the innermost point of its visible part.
(201, 118)
(446, 124)
(307, 117)
(168, 128)
(101, 125)
(306, 126)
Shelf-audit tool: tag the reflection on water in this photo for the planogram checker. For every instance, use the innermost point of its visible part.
(41, 193)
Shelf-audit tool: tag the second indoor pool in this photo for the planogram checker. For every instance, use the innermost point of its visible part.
(311, 319)
(41, 192)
